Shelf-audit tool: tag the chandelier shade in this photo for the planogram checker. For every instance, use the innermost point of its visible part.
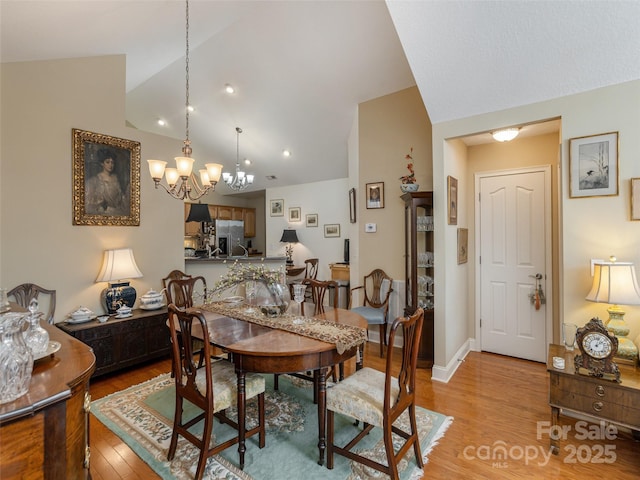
(181, 182)
(241, 180)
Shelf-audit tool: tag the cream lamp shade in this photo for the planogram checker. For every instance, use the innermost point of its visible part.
(118, 266)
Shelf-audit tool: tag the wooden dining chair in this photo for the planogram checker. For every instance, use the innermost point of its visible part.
(181, 292)
(175, 275)
(311, 268)
(377, 288)
(211, 387)
(377, 399)
(317, 291)
(24, 293)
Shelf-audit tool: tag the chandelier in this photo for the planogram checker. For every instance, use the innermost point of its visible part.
(181, 182)
(241, 180)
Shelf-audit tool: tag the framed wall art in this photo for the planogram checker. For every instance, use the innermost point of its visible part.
(295, 214)
(635, 199)
(106, 180)
(375, 195)
(352, 205)
(463, 245)
(277, 208)
(593, 165)
(452, 199)
(332, 230)
(312, 220)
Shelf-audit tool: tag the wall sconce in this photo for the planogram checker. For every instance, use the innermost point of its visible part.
(117, 266)
(616, 283)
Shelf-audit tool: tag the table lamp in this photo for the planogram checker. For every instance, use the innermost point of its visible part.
(118, 266)
(289, 236)
(199, 212)
(616, 283)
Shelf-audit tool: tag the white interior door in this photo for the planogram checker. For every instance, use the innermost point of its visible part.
(514, 246)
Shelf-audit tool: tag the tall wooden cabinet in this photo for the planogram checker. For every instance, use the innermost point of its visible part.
(418, 220)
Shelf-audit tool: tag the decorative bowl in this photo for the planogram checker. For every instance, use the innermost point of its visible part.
(82, 313)
(409, 187)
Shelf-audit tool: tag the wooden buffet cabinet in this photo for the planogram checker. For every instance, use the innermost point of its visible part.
(124, 342)
(45, 433)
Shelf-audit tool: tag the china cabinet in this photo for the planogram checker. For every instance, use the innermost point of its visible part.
(418, 220)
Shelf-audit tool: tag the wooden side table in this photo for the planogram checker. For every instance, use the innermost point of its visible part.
(123, 342)
(600, 399)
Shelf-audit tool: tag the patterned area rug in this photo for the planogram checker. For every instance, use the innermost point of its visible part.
(142, 416)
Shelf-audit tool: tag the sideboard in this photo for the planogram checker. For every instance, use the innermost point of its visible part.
(45, 433)
(123, 342)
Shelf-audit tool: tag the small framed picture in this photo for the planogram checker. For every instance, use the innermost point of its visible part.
(277, 208)
(295, 214)
(593, 165)
(312, 220)
(352, 205)
(452, 198)
(635, 199)
(463, 241)
(375, 195)
(332, 230)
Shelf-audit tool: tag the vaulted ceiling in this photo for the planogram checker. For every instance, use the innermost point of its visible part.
(300, 68)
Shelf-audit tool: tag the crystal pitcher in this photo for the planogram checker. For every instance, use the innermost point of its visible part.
(16, 361)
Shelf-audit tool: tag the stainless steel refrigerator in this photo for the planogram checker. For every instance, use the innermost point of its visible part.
(229, 235)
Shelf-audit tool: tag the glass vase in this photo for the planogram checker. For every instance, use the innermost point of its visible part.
(16, 361)
(36, 338)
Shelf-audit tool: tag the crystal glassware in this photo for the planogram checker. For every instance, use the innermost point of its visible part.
(36, 338)
(250, 288)
(298, 297)
(569, 331)
(16, 361)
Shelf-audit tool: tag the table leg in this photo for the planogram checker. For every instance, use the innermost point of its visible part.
(322, 412)
(241, 416)
(554, 439)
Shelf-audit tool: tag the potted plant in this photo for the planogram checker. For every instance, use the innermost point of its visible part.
(409, 181)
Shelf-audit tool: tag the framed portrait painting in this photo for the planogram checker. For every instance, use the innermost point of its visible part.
(106, 180)
(593, 165)
(295, 214)
(375, 195)
(635, 199)
(463, 245)
(277, 208)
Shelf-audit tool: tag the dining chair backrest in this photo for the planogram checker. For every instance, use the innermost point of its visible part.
(377, 289)
(185, 292)
(24, 293)
(318, 290)
(174, 275)
(311, 268)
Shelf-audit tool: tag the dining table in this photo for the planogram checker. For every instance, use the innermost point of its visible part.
(286, 344)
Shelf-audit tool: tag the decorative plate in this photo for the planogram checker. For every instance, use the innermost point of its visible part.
(51, 349)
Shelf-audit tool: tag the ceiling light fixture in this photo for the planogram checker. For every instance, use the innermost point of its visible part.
(240, 181)
(505, 135)
(229, 88)
(286, 153)
(188, 185)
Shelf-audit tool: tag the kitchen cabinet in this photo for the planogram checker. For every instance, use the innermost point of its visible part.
(226, 212)
(419, 288)
(249, 217)
(213, 211)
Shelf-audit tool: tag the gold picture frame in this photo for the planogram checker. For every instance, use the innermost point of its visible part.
(452, 200)
(593, 165)
(463, 245)
(106, 180)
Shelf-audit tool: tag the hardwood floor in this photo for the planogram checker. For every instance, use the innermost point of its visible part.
(499, 404)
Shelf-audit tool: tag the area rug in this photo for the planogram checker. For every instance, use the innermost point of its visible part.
(142, 416)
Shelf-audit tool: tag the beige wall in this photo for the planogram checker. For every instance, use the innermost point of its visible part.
(589, 227)
(387, 128)
(41, 103)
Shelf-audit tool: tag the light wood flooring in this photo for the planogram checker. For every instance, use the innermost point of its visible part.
(497, 402)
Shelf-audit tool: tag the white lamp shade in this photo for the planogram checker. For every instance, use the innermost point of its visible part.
(204, 178)
(249, 179)
(214, 170)
(118, 265)
(614, 283)
(184, 166)
(172, 176)
(156, 168)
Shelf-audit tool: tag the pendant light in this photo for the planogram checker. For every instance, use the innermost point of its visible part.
(241, 180)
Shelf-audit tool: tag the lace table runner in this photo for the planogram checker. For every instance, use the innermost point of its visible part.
(342, 336)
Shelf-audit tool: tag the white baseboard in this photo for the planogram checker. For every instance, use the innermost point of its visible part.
(444, 374)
